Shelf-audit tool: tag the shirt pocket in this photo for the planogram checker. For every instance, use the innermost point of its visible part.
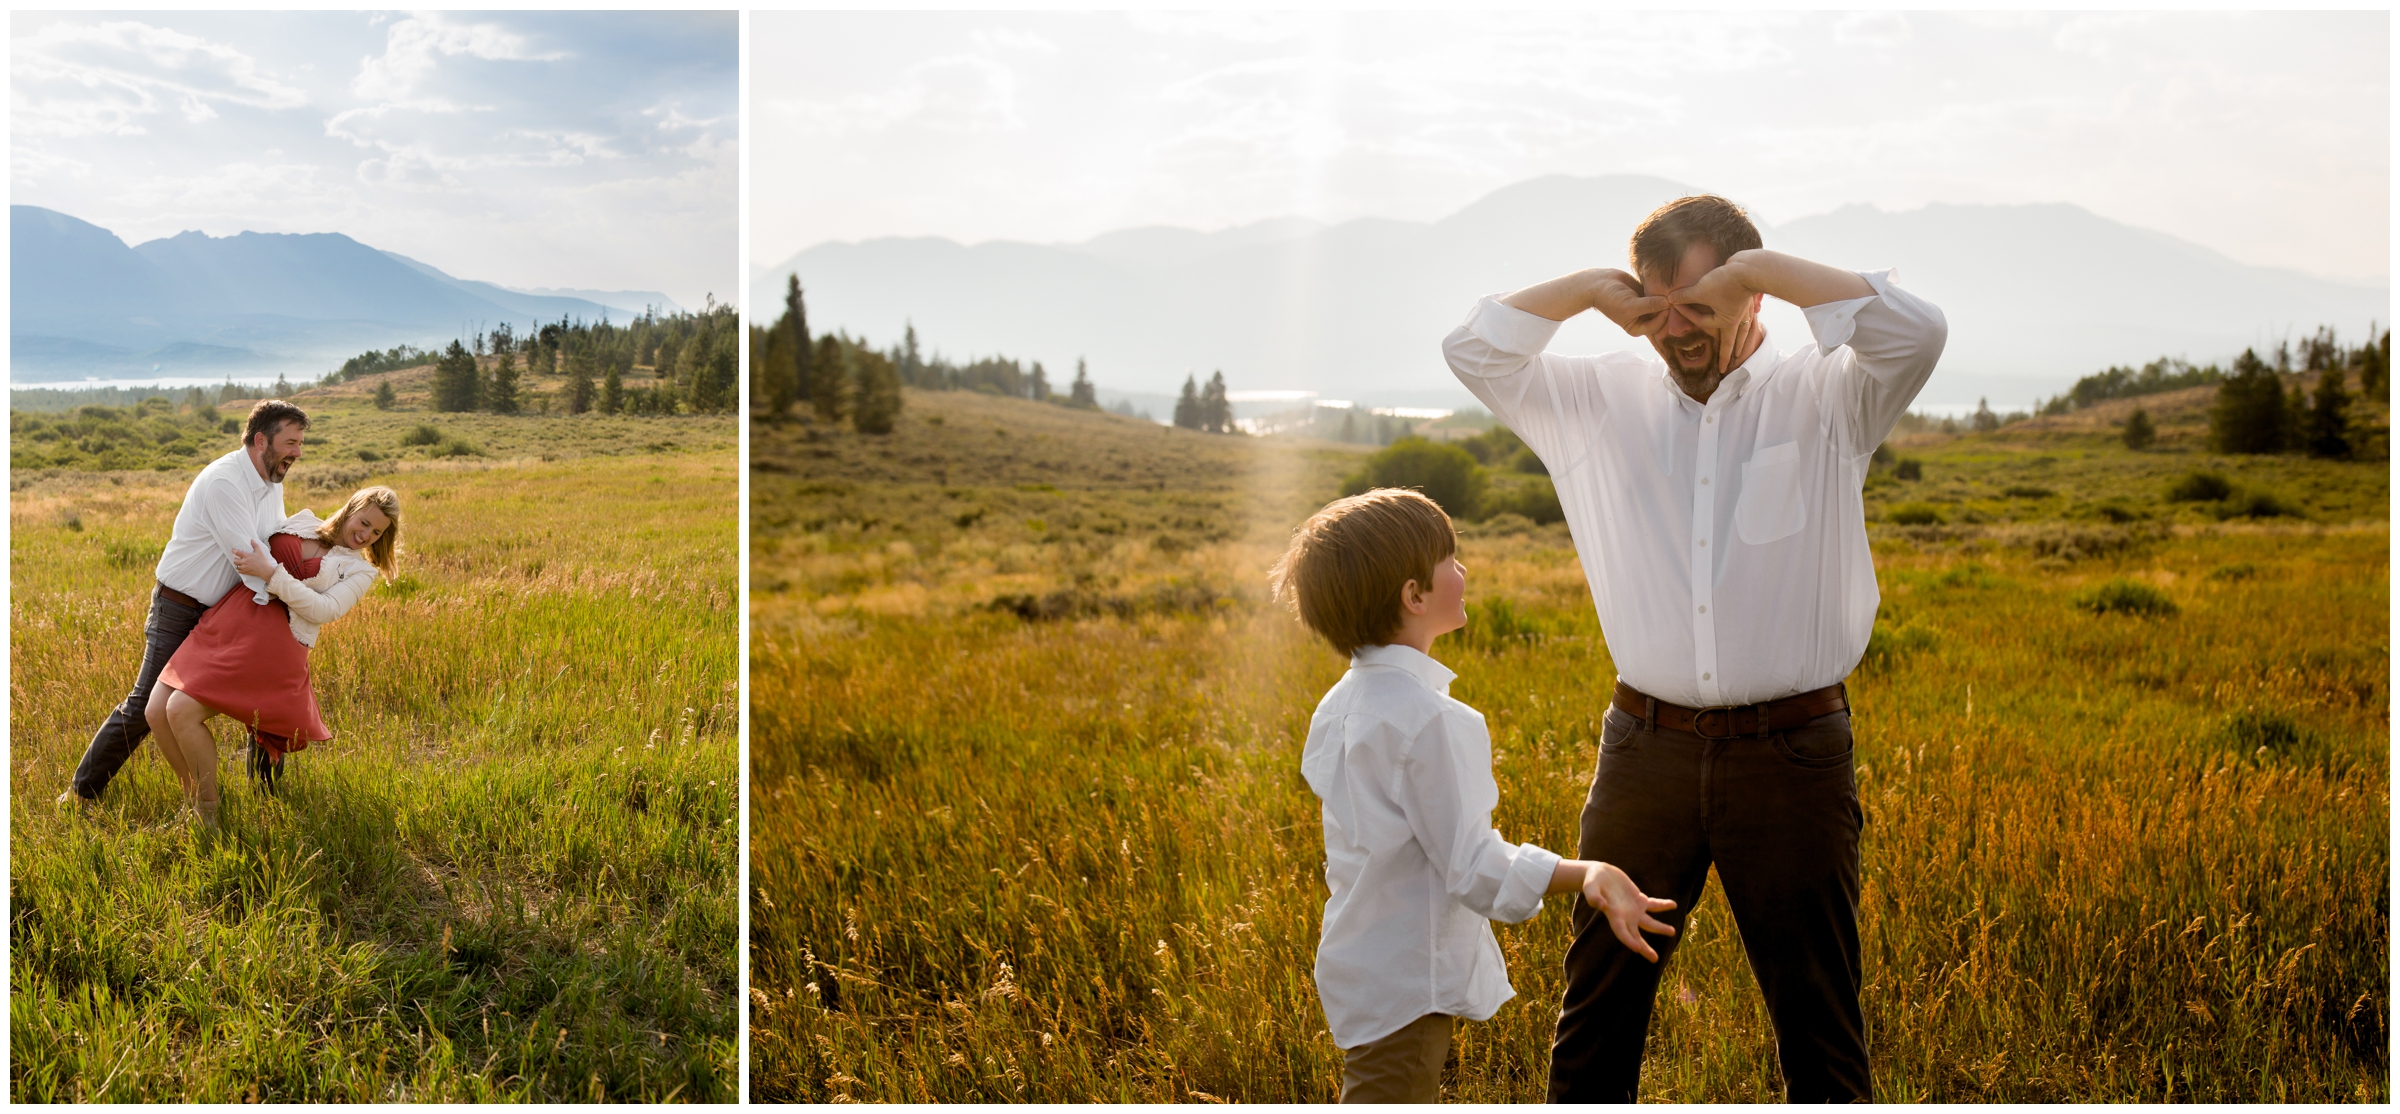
(1771, 507)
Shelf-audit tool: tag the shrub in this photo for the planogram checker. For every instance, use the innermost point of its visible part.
(422, 435)
(1445, 473)
(2240, 571)
(2256, 504)
(1909, 469)
(2139, 433)
(1535, 498)
(2028, 491)
(1890, 644)
(1913, 514)
(2199, 487)
(2131, 597)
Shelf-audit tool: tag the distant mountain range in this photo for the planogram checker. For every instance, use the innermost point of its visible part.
(84, 305)
(2036, 295)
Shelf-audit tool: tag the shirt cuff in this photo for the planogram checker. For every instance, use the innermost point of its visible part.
(1834, 322)
(1527, 883)
(1509, 329)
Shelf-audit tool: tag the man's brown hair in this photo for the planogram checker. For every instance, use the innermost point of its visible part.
(268, 417)
(1661, 239)
(1346, 565)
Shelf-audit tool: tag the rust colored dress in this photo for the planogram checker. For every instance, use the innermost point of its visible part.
(242, 660)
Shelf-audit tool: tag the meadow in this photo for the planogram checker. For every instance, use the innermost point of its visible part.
(1028, 822)
(510, 875)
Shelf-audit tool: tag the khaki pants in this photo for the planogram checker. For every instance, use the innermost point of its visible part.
(1403, 1067)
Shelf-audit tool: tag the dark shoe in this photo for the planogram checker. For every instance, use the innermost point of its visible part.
(265, 768)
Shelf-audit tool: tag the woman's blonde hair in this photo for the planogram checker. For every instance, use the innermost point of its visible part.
(383, 499)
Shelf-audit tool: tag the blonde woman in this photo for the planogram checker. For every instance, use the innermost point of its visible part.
(249, 659)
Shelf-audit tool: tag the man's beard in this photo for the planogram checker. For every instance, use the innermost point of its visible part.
(277, 467)
(1700, 372)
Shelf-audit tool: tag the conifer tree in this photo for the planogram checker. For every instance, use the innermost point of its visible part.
(500, 396)
(875, 405)
(612, 391)
(1187, 408)
(2329, 419)
(579, 380)
(1081, 394)
(828, 371)
(1216, 413)
(2139, 433)
(384, 398)
(2248, 416)
(454, 379)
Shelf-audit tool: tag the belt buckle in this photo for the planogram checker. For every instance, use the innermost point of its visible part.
(1727, 710)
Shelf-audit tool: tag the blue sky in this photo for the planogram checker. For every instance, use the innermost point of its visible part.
(2266, 136)
(544, 149)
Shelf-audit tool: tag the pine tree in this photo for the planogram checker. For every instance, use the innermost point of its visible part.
(579, 380)
(828, 372)
(2139, 433)
(912, 362)
(877, 403)
(612, 391)
(695, 369)
(454, 379)
(1216, 413)
(792, 334)
(2329, 419)
(1040, 388)
(1349, 427)
(500, 395)
(1985, 421)
(384, 398)
(1187, 408)
(2248, 417)
(1081, 394)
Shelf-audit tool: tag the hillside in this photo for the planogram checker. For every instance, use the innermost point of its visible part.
(83, 304)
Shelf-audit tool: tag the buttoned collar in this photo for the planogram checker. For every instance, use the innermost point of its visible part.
(1432, 674)
(1756, 369)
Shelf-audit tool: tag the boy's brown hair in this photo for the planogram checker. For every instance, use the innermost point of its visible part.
(1661, 239)
(1346, 565)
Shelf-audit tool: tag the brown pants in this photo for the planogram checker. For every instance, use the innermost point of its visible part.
(1403, 1067)
(1779, 818)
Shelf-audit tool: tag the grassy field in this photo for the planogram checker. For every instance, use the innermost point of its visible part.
(1029, 822)
(510, 875)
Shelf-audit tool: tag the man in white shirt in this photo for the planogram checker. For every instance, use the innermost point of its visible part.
(233, 504)
(1713, 492)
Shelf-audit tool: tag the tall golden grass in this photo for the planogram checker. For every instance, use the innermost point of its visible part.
(2108, 856)
(509, 876)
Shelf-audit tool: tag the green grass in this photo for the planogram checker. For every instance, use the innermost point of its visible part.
(511, 874)
(1071, 858)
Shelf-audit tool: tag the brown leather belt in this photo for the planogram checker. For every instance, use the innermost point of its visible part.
(179, 597)
(1730, 721)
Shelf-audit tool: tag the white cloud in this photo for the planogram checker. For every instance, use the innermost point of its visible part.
(1888, 30)
(77, 79)
(410, 47)
(955, 93)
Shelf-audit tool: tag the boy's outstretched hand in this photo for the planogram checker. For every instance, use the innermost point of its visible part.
(1627, 908)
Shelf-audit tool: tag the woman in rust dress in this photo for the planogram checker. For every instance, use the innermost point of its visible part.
(248, 657)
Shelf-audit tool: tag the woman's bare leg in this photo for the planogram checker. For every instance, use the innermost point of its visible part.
(170, 745)
(189, 718)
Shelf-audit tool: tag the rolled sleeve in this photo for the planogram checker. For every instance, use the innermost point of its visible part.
(1895, 339)
(1498, 339)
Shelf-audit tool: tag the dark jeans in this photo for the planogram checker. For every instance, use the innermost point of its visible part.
(1779, 817)
(169, 623)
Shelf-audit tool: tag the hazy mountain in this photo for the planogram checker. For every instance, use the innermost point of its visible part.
(2037, 295)
(83, 304)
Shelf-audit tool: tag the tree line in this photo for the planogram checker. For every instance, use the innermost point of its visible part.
(834, 376)
(690, 358)
(2266, 408)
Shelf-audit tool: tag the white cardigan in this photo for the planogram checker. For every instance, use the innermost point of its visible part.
(343, 577)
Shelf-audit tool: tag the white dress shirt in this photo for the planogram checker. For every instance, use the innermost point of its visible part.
(1725, 544)
(228, 507)
(343, 577)
(1417, 873)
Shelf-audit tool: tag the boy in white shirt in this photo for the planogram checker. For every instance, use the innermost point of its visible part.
(1405, 774)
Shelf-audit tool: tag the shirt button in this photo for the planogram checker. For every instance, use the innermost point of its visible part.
(1704, 676)
(1711, 419)
(1704, 609)
(1704, 481)
(1704, 541)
